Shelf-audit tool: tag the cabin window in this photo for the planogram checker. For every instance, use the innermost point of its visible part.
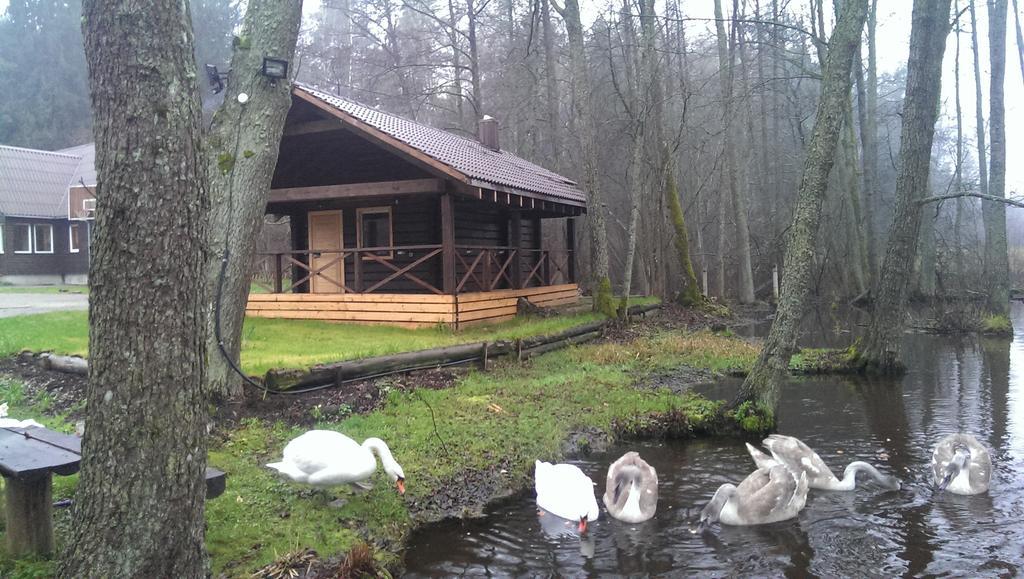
(74, 237)
(43, 238)
(374, 230)
(22, 238)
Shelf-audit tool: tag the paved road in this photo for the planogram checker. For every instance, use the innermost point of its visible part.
(22, 304)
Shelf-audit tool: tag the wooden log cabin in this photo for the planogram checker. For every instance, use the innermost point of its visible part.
(394, 222)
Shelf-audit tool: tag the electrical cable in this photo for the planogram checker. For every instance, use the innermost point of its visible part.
(226, 256)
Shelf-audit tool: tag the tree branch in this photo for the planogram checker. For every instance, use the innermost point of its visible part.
(993, 198)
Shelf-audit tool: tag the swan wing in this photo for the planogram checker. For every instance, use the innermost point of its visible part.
(980, 467)
(329, 458)
(630, 469)
(565, 491)
(765, 495)
(799, 457)
(761, 459)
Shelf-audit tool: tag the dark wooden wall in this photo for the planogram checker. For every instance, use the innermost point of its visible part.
(336, 157)
(60, 262)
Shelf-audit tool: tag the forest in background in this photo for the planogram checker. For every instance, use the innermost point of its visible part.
(724, 105)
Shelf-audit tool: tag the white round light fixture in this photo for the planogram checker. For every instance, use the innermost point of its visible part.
(243, 98)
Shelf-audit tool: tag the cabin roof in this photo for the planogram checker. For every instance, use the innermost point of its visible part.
(35, 183)
(85, 174)
(479, 165)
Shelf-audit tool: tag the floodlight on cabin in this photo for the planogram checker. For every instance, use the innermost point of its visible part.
(215, 78)
(275, 68)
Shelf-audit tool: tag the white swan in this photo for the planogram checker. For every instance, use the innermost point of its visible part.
(799, 457)
(631, 491)
(961, 465)
(325, 458)
(564, 491)
(767, 495)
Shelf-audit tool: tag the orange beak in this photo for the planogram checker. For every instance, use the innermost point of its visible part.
(400, 483)
(583, 525)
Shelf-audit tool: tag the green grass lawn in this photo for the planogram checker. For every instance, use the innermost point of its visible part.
(43, 289)
(260, 518)
(270, 343)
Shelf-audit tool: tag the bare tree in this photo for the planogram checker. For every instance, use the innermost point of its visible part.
(583, 108)
(997, 256)
(929, 30)
(762, 385)
(736, 177)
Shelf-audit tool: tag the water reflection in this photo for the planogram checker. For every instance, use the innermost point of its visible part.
(970, 384)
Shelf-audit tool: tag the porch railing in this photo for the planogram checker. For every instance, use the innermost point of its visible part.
(418, 267)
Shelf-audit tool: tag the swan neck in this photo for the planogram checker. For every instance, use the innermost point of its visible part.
(714, 508)
(381, 448)
(849, 481)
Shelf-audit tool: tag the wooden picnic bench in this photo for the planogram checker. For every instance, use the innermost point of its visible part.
(29, 457)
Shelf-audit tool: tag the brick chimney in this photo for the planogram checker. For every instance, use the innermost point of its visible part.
(487, 132)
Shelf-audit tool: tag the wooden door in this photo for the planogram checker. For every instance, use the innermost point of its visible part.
(325, 235)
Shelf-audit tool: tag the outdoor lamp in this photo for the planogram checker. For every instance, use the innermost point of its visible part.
(275, 68)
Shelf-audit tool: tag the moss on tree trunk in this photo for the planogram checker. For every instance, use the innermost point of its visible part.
(690, 293)
(242, 153)
(760, 390)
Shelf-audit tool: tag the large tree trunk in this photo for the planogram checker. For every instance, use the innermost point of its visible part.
(139, 502)
(928, 34)
(736, 176)
(689, 293)
(986, 206)
(582, 106)
(338, 24)
(867, 114)
(995, 233)
(763, 383)
(958, 256)
(1020, 37)
(851, 200)
(242, 154)
(638, 79)
(551, 87)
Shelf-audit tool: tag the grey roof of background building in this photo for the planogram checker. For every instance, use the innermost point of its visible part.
(35, 183)
(465, 155)
(86, 172)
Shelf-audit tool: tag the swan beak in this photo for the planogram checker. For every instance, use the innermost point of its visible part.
(583, 525)
(400, 483)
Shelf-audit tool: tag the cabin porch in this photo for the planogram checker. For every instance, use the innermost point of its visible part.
(413, 261)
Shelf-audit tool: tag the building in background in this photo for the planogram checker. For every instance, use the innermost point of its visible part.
(46, 205)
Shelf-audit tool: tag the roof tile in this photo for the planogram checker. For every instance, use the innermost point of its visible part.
(35, 183)
(467, 156)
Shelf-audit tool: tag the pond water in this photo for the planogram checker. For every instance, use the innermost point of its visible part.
(968, 384)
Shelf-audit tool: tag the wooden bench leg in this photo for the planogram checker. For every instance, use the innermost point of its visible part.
(29, 515)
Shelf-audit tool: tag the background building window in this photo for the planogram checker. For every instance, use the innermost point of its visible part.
(22, 239)
(374, 229)
(74, 239)
(1, 239)
(43, 238)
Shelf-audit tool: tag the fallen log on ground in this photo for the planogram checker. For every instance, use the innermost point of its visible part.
(69, 364)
